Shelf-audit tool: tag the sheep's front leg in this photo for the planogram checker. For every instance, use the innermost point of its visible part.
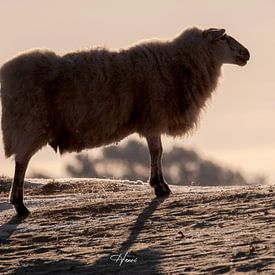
(156, 178)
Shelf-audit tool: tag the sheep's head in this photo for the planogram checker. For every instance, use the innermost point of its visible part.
(226, 48)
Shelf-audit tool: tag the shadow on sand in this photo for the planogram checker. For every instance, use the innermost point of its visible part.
(144, 261)
(7, 229)
(147, 260)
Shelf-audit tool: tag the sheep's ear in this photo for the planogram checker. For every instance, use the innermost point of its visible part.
(213, 34)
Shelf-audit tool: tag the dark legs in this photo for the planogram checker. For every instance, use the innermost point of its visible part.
(17, 189)
(156, 178)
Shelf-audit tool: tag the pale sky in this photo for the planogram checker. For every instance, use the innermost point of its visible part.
(236, 129)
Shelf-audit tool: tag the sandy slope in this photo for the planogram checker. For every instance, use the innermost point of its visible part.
(77, 225)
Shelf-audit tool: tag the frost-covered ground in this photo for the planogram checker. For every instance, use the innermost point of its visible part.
(88, 226)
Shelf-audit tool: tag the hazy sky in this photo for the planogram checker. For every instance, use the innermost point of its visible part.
(238, 125)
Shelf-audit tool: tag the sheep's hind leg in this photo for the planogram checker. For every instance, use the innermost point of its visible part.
(156, 178)
(17, 189)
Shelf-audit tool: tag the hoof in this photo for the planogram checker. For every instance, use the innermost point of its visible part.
(21, 210)
(162, 191)
(167, 189)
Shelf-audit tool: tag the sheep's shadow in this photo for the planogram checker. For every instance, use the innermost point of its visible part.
(139, 224)
(44, 266)
(7, 229)
(147, 260)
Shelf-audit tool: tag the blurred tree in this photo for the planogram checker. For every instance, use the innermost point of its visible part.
(86, 168)
(180, 166)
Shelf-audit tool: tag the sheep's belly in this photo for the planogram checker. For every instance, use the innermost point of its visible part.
(76, 141)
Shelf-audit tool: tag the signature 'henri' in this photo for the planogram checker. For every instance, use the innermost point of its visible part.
(120, 259)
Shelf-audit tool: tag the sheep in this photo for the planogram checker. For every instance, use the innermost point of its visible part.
(96, 97)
